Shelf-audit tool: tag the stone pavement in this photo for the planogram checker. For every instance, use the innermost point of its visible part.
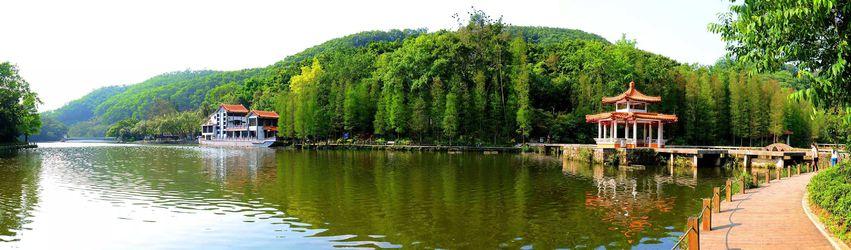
(768, 217)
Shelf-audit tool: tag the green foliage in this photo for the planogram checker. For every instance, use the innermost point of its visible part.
(483, 83)
(830, 190)
(83, 109)
(183, 125)
(303, 102)
(642, 156)
(18, 105)
(811, 35)
(521, 86)
(89, 128)
(123, 130)
(51, 130)
(585, 154)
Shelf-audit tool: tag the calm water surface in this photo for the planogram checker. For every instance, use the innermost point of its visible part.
(96, 196)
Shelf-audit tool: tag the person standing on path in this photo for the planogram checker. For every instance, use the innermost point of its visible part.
(815, 156)
(834, 157)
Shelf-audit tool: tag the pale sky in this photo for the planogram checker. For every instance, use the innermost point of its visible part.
(66, 49)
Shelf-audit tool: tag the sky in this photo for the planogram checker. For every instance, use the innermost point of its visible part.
(65, 49)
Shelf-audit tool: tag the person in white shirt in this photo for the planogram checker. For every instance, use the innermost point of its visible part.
(834, 157)
(815, 156)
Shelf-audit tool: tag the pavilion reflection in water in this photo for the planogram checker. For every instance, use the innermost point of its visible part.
(626, 202)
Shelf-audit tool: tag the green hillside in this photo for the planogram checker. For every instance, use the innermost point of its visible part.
(82, 109)
(187, 90)
(483, 83)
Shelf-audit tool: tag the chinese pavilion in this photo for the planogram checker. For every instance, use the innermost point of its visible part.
(630, 125)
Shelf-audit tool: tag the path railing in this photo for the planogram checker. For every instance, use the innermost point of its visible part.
(703, 220)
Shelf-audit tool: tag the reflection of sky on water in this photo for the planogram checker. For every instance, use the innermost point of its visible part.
(132, 196)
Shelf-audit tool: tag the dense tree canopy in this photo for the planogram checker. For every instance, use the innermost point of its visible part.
(51, 130)
(18, 105)
(483, 83)
(812, 35)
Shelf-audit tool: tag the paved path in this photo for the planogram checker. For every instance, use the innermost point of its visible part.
(769, 217)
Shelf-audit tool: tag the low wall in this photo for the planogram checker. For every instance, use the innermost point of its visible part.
(640, 156)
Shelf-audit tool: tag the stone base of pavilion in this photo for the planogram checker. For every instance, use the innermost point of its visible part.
(695, 156)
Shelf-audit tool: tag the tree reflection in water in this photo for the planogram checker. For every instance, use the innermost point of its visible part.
(320, 199)
(19, 177)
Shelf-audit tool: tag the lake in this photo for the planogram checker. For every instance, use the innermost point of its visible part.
(115, 196)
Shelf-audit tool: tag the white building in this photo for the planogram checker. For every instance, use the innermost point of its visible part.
(235, 122)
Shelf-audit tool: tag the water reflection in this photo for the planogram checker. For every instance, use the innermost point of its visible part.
(190, 197)
(18, 193)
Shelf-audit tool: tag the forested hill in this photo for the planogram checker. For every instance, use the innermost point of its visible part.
(187, 90)
(483, 83)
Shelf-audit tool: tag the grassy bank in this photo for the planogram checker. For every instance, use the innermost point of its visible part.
(830, 194)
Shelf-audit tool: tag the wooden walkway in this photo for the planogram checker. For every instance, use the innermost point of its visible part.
(769, 217)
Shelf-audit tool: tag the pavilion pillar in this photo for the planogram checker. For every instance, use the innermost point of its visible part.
(635, 133)
(614, 129)
(625, 129)
(659, 140)
(599, 130)
(650, 129)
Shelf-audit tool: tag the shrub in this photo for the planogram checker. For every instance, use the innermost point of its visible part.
(750, 182)
(380, 141)
(830, 190)
(645, 156)
(682, 161)
(585, 154)
(403, 142)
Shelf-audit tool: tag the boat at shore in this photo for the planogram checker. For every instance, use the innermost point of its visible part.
(233, 125)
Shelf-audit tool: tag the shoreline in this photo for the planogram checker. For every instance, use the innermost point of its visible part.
(17, 146)
(443, 148)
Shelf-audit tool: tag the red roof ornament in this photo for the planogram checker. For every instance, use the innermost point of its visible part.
(631, 94)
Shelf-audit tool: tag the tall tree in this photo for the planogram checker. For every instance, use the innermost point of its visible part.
(813, 35)
(18, 105)
(521, 88)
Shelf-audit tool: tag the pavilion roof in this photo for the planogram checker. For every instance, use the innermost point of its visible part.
(234, 108)
(630, 116)
(631, 94)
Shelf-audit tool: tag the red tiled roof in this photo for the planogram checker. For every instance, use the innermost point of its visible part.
(265, 114)
(633, 95)
(630, 116)
(234, 108)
